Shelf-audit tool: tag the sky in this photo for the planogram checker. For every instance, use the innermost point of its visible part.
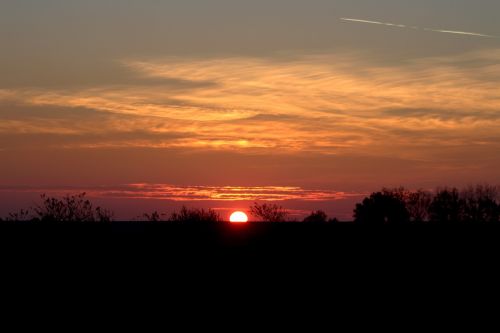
(217, 103)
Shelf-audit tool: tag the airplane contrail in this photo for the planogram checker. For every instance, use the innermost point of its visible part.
(418, 28)
(374, 22)
(461, 33)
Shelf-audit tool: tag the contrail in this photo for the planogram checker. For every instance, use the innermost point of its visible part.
(374, 22)
(461, 33)
(418, 28)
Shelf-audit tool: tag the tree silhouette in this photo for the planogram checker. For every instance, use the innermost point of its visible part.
(269, 212)
(70, 208)
(418, 204)
(446, 207)
(384, 207)
(480, 204)
(195, 216)
(318, 216)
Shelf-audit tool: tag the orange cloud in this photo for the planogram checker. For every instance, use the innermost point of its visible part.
(328, 104)
(199, 193)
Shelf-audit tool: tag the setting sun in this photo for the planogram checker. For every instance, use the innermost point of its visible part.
(238, 217)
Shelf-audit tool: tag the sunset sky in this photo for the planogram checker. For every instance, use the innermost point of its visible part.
(156, 104)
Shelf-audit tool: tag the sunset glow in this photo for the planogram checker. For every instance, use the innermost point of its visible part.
(238, 217)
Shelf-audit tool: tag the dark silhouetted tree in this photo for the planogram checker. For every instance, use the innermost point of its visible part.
(382, 208)
(418, 204)
(195, 216)
(269, 212)
(318, 216)
(446, 206)
(480, 204)
(70, 208)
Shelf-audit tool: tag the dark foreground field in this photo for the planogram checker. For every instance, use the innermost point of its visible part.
(125, 259)
(296, 240)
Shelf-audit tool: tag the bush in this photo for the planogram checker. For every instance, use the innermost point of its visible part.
(20, 216)
(269, 213)
(195, 216)
(153, 217)
(317, 217)
(70, 208)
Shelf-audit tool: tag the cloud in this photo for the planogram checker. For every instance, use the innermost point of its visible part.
(417, 28)
(88, 74)
(328, 104)
(197, 193)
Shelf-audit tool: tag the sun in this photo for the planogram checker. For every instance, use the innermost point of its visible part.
(238, 217)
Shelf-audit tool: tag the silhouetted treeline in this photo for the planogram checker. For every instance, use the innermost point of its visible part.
(473, 204)
(76, 208)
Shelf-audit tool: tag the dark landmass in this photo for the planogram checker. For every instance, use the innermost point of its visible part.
(257, 238)
(146, 258)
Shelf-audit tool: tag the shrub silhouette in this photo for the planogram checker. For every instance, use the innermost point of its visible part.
(70, 208)
(384, 207)
(20, 216)
(269, 212)
(153, 217)
(195, 216)
(318, 216)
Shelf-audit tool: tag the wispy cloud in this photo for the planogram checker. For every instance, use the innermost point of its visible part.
(327, 104)
(197, 193)
(417, 28)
